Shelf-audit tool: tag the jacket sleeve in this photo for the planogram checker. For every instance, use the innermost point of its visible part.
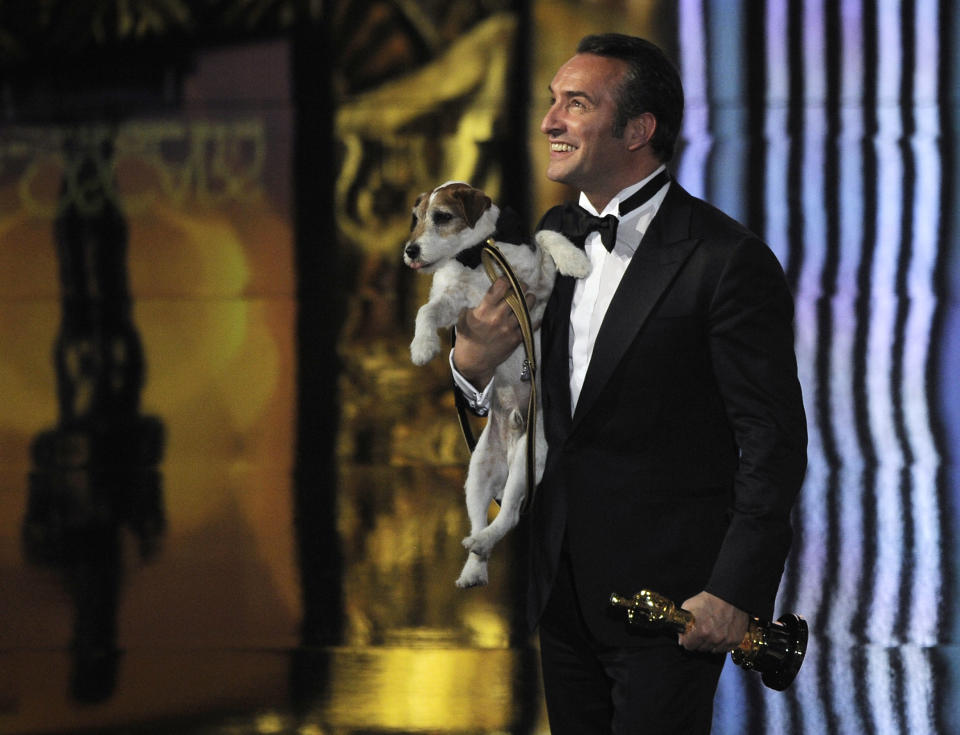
(476, 401)
(752, 348)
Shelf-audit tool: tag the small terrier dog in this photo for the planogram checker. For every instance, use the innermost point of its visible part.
(450, 225)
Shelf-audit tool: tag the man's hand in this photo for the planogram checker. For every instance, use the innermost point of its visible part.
(487, 334)
(719, 626)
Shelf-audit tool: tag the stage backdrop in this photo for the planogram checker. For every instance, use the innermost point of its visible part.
(147, 380)
(283, 553)
(831, 129)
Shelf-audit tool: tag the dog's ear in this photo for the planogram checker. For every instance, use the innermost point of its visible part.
(472, 202)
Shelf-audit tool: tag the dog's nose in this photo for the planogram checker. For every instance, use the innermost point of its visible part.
(412, 250)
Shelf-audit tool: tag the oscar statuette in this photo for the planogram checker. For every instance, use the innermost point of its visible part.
(774, 649)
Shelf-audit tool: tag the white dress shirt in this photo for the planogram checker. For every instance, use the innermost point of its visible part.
(591, 295)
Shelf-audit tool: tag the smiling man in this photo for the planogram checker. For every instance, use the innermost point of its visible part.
(673, 414)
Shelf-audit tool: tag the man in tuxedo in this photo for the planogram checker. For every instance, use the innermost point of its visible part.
(676, 431)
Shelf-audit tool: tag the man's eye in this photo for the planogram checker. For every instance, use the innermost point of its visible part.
(441, 217)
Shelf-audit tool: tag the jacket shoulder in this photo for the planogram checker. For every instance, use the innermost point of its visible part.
(706, 219)
(551, 220)
(722, 235)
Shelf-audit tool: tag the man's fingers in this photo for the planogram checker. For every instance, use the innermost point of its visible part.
(501, 288)
(719, 627)
(704, 644)
(497, 291)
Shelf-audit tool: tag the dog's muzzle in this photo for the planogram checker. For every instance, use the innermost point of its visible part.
(411, 256)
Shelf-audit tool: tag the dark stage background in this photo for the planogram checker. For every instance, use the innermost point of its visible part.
(228, 501)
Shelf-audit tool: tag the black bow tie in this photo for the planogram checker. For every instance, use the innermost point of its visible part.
(578, 222)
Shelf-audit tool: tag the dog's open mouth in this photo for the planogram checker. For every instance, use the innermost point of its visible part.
(417, 264)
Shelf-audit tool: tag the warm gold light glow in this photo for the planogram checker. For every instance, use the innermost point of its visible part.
(444, 690)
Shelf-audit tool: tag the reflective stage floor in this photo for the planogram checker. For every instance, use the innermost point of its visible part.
(341, 691)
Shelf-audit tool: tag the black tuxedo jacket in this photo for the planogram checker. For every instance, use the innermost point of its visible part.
(678, 470)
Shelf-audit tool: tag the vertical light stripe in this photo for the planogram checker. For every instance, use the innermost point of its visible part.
(696, 118)
(775, 705)
(926, 574)
(890, 512)
(844, 682)
(843, 617)
(813, 498)
(776, 201)
(925, 513)
(806, 688)
(918, 690)
(729, 714)
(811, 218)
(880, 690)
(726, 181)
(895, 690)
(777, 213)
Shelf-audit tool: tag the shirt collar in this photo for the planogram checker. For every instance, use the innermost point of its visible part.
(634, 223)
(613, 206)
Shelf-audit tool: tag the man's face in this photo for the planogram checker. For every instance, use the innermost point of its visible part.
(579, 126)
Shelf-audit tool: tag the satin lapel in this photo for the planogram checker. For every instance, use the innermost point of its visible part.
(660, 256)
(556, 348)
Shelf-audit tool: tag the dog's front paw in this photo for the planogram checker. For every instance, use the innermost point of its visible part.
(474, 573)
(570, 260)
(579, 265)
(424, 348)
(480, 544)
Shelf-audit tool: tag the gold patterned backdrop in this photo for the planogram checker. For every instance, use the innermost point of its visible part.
(400, 450)
(422, 91)
(448, 119)
(208, 259)
(403, 454)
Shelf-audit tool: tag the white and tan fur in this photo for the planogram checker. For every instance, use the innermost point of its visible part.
(450, 219)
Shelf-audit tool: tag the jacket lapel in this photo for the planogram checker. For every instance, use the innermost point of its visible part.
(664, 249)
(556, 350)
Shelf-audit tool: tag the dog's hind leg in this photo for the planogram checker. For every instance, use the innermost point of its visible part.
(474, 572)
(485, 475)
(514, 490)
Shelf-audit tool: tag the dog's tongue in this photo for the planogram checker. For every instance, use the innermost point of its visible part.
(416, 265)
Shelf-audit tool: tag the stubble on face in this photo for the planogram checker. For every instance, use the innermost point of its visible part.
(580, 127)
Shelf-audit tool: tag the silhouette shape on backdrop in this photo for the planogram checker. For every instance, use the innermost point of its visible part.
(94, 473)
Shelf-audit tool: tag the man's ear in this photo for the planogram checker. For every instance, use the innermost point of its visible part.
(473, 202)
(640, 130)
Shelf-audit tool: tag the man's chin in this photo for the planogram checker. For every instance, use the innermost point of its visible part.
(556, 173)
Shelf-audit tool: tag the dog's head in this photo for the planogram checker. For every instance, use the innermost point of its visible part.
(446, 221)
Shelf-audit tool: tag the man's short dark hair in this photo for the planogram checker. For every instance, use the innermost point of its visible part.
(650, 84)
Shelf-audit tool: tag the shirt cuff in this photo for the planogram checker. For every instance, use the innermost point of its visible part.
(477, 400)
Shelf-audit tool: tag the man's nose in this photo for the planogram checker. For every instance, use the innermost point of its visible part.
(549, 123)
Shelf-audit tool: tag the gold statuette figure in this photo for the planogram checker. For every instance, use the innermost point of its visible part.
(774, 649)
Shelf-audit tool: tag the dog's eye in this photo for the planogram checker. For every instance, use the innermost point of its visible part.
(413, 222)
(440, 218)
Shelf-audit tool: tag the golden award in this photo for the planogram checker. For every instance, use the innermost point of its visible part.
(774, 649)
